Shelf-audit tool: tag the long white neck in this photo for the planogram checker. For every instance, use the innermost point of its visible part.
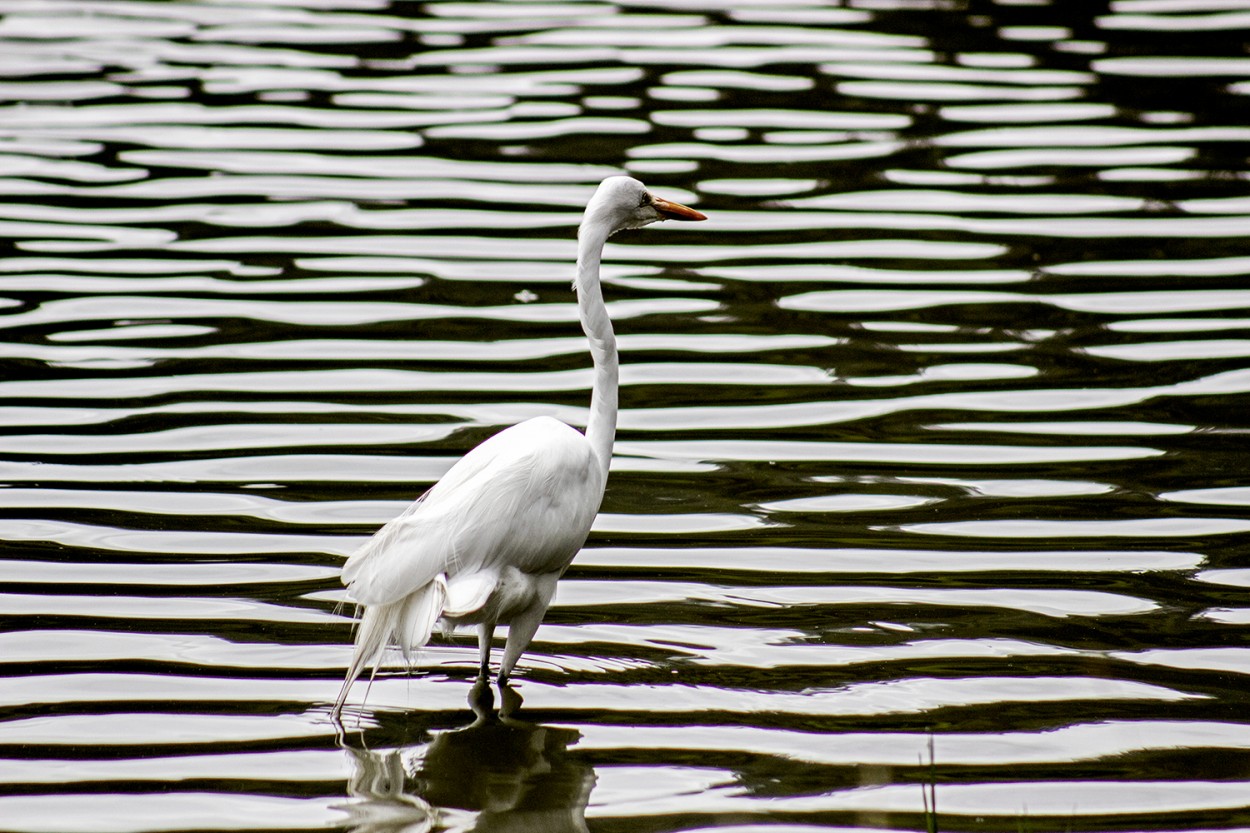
(601, 429)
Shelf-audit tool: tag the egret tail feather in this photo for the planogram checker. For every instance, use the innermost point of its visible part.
(406, 623)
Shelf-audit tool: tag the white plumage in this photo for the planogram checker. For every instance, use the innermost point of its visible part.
(487, 543)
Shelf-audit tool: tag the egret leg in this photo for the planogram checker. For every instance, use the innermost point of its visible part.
(521, 632)
(481, 698)
(485, 633)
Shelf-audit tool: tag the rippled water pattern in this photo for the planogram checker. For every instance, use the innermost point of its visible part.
(931, 477)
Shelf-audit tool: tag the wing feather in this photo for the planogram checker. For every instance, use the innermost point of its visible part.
(525, 498)
(467, 593)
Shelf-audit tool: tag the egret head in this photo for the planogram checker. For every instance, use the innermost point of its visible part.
(622, 202)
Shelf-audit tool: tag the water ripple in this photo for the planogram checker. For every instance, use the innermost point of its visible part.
(929, 436)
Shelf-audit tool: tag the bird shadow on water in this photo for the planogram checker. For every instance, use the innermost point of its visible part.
(498, 774)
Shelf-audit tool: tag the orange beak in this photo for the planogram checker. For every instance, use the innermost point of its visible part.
(675, 211)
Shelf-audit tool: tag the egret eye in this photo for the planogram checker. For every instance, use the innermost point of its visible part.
(646, 200)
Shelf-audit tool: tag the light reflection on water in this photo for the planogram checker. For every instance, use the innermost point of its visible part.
(934, 432)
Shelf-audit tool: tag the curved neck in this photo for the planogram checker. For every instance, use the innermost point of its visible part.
(601, 428)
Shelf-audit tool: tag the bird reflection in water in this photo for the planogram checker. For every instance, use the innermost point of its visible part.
(496, 775)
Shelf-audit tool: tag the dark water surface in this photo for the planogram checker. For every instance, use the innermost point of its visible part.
(933, 449)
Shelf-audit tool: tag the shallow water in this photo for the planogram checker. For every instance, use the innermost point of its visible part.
(930, 476)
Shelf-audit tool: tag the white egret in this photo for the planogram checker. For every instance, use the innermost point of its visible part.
(487, 543)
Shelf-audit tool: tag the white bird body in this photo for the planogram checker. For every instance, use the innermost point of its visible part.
(525, 498)
(488, 542)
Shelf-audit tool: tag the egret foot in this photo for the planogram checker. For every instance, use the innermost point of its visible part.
(482, 699)
(511, 700)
